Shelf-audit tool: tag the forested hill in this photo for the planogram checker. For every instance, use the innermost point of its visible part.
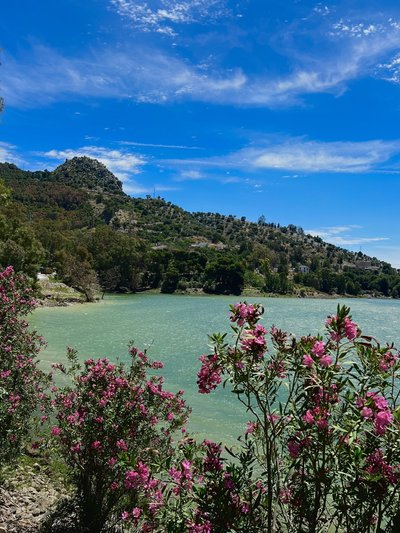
(78, 221)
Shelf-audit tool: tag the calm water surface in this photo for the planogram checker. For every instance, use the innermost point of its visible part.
(175, 330)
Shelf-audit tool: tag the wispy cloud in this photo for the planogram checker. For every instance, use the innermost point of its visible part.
(314, 156)
(301, 155)
(163, 16)
(8, 153)
(132, 187)
(122, 164)
(322, 57)
(190, 175)
(342, 235)
(142, 75)
(151, 145)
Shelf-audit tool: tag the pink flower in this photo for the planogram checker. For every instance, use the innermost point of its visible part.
(209, 375)
(242, 312)
(136, 512)
(55, 431)
(228, 481)
(388, 360)
(308, 361)
(175, 474)
(366, 412)
(251, 426)
(121, 444)
(381, 402)
(244, 508)
(96, 445)
(382, 419)
(350, 328)
(318, 348)
(325, 361)
(309, 417)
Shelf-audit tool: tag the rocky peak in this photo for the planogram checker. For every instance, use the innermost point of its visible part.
(87, 173)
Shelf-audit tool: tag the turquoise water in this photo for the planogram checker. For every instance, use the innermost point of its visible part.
(175, 329)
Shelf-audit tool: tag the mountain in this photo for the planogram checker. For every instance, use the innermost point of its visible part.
(78, 220)
(86, 173)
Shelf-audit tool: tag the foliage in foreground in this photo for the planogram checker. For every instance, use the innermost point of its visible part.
(320, 454)
(114, 430)
(325, 434)
(22, 384)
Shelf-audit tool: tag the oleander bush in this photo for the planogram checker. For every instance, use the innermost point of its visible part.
(325, 430)
(22, 383)
(115, 429)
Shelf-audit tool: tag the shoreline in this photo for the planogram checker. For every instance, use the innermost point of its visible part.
(77, 298)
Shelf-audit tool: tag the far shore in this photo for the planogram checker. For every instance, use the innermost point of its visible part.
(246, 293)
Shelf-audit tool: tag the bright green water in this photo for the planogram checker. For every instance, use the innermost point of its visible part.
(176, 328)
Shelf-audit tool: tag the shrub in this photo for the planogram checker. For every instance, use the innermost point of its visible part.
(22, 384)
(324, 441)
(114, 429)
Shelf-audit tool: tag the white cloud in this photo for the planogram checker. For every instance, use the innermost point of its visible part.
(299, 155)
(337, 53)
(8, 153)
(357, 30)
(322, 10)
(132, 187)
(390, 71)
(313, 156)
(190, 175)
(333, 235)
(143, 75)
(163, 16)
(122, 164)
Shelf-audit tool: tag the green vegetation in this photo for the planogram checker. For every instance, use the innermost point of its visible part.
(78, 221)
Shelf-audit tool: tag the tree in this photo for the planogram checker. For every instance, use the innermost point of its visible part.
(79, 274)
(224, 275)
(171, 280)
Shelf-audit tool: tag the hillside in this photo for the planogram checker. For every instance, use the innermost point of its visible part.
(78, 220)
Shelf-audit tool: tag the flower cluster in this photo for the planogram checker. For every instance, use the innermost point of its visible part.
(253, 342)
(318, 356)
(243, 312)
(342, 326)
(209, 375)
(375, 408)
(387, 361)
(379, 470)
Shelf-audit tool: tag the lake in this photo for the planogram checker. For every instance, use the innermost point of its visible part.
(174, 328)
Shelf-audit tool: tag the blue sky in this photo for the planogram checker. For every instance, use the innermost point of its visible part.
(287, 109)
